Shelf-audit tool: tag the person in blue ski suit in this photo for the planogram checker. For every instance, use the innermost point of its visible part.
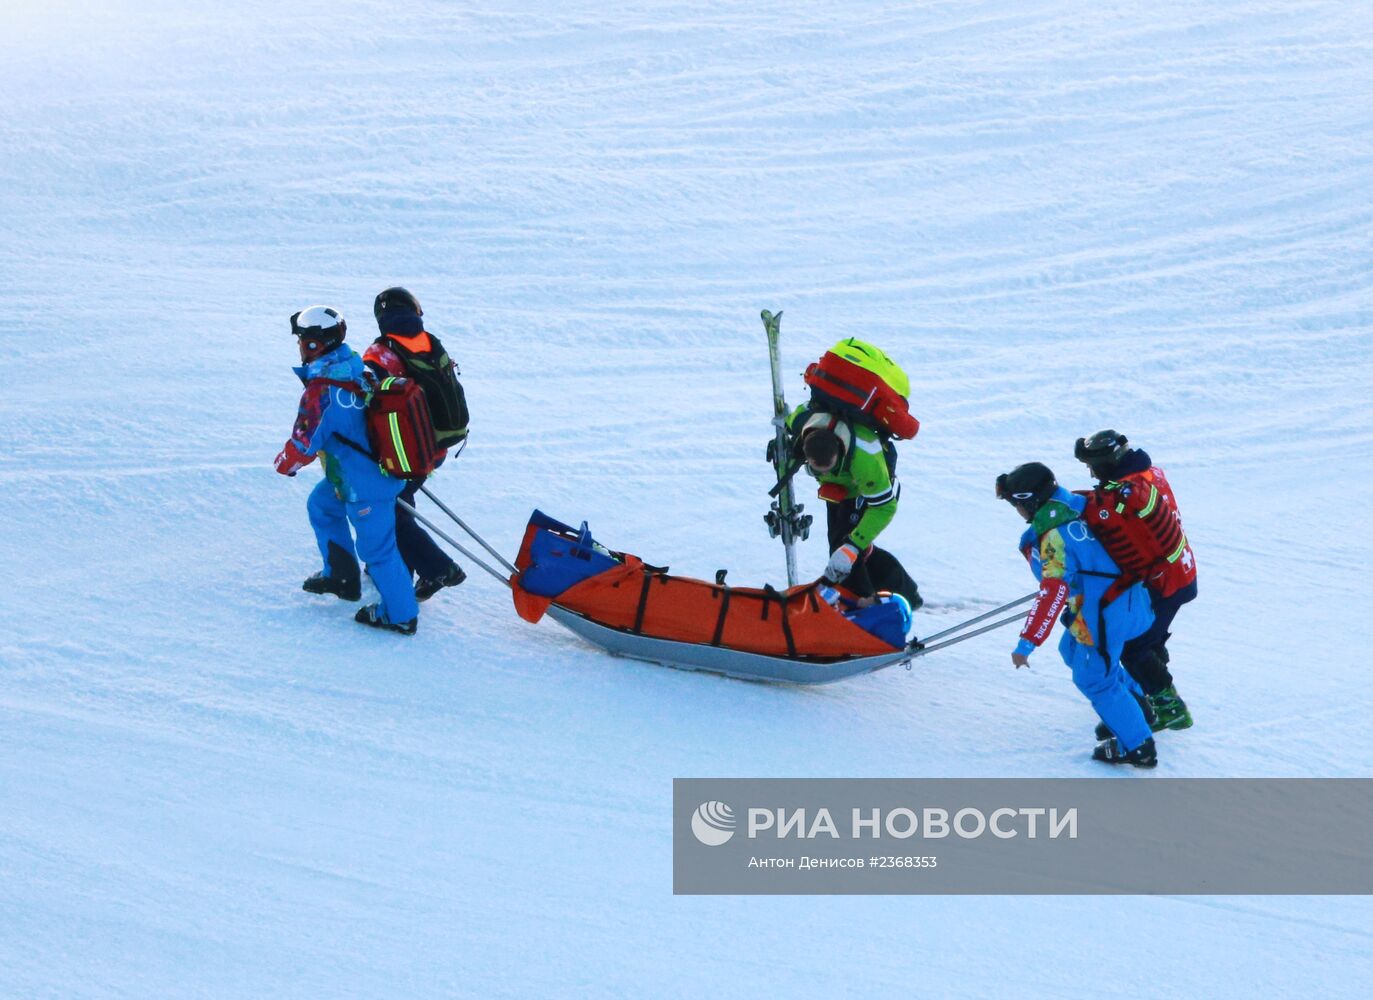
(1080, 582)
(355, 491)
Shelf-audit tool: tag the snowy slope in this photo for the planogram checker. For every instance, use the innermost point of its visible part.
(1058, 214)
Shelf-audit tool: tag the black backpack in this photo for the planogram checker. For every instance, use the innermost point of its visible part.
(437, 376)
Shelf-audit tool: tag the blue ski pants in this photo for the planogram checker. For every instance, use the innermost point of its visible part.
(1105, 685)
(374, 522)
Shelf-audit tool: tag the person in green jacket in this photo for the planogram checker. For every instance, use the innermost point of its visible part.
(856, 470)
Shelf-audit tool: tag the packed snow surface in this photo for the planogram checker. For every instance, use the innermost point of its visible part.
(1058, 215)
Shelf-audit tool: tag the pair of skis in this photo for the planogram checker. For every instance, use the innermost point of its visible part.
(785, 518)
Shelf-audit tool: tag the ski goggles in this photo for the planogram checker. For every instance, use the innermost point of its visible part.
(1003, 491)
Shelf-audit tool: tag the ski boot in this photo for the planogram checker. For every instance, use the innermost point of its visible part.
(1111, 752)
(343, 578)
(1171, 710)
(1103, 731)
(371, 615)
(427, 587)
(344, 590)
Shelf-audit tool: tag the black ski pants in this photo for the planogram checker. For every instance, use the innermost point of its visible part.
(1145, 656)
(876, 569)
(420, 552)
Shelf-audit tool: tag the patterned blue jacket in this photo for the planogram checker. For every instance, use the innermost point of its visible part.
(1060, 547)
(329, 417)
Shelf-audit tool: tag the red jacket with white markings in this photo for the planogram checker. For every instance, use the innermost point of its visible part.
(1136, 517)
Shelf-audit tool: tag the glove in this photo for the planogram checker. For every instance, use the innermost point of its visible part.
(841, 562)
(828, 594)
(291, 459)
(772, 451)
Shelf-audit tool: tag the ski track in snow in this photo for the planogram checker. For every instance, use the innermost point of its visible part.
(1058, 215)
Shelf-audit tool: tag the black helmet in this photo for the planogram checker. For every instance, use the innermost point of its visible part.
(320, 329)
(397, 302)
(1029, 485)
(1102, 452)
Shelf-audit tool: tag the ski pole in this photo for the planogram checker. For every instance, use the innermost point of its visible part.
(980, 618)
(451, 541)
(463, 525)
(921, 649)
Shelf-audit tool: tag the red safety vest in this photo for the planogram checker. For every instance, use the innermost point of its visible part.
(1137, 520)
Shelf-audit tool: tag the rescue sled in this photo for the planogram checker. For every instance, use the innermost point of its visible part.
(617, 601)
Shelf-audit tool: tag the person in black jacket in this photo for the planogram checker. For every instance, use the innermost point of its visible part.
(401, 336)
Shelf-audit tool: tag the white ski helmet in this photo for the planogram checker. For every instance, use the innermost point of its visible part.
(320, 329)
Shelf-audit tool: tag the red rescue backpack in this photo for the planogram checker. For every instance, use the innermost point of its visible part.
(399, 428)
(857, 381)
(1138, 522)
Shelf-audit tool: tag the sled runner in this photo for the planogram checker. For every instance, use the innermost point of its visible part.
(632, 609)
(717, 659)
